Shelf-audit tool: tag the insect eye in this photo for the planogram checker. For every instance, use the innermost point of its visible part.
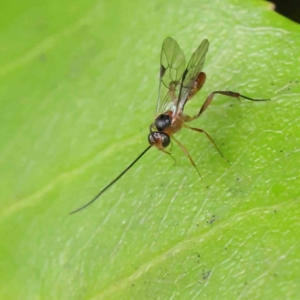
(151, 139)
(162, 122)
(159, 137)
(165, 140)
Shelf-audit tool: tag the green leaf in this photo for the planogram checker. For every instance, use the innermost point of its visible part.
(77, 93)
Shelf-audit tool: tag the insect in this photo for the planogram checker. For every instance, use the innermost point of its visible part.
(178, 84)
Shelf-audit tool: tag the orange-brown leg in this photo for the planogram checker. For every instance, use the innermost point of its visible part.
(187, 154)
(207, 135)
(169, 153)
(226, 93)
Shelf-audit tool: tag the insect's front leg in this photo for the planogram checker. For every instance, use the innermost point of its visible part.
(186, 152)
(152, 127)
(169, 153)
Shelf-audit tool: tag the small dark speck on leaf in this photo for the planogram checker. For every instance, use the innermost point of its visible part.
(212, 220)
(206, 275)
(132, 285)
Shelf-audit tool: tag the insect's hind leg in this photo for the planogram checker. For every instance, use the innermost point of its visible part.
(226, 93)
(208, 136)
(187, 154)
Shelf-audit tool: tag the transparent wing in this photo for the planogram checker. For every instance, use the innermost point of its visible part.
(172, 66)
(190, 74)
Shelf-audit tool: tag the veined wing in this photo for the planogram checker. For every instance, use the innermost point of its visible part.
(190, 74)
(172, 65)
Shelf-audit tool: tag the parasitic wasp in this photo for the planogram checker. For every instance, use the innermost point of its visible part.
(178, 83)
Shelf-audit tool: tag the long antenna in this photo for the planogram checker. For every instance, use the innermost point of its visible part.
(111, 183)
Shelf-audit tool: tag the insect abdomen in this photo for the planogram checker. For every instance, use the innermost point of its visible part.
(198, 83)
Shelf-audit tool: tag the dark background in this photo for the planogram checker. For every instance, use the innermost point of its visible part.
(288, 8)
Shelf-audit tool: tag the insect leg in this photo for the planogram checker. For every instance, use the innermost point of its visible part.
(187, 154)
(226, 93)
(207, 135)
(152, 127)
(169, 153)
